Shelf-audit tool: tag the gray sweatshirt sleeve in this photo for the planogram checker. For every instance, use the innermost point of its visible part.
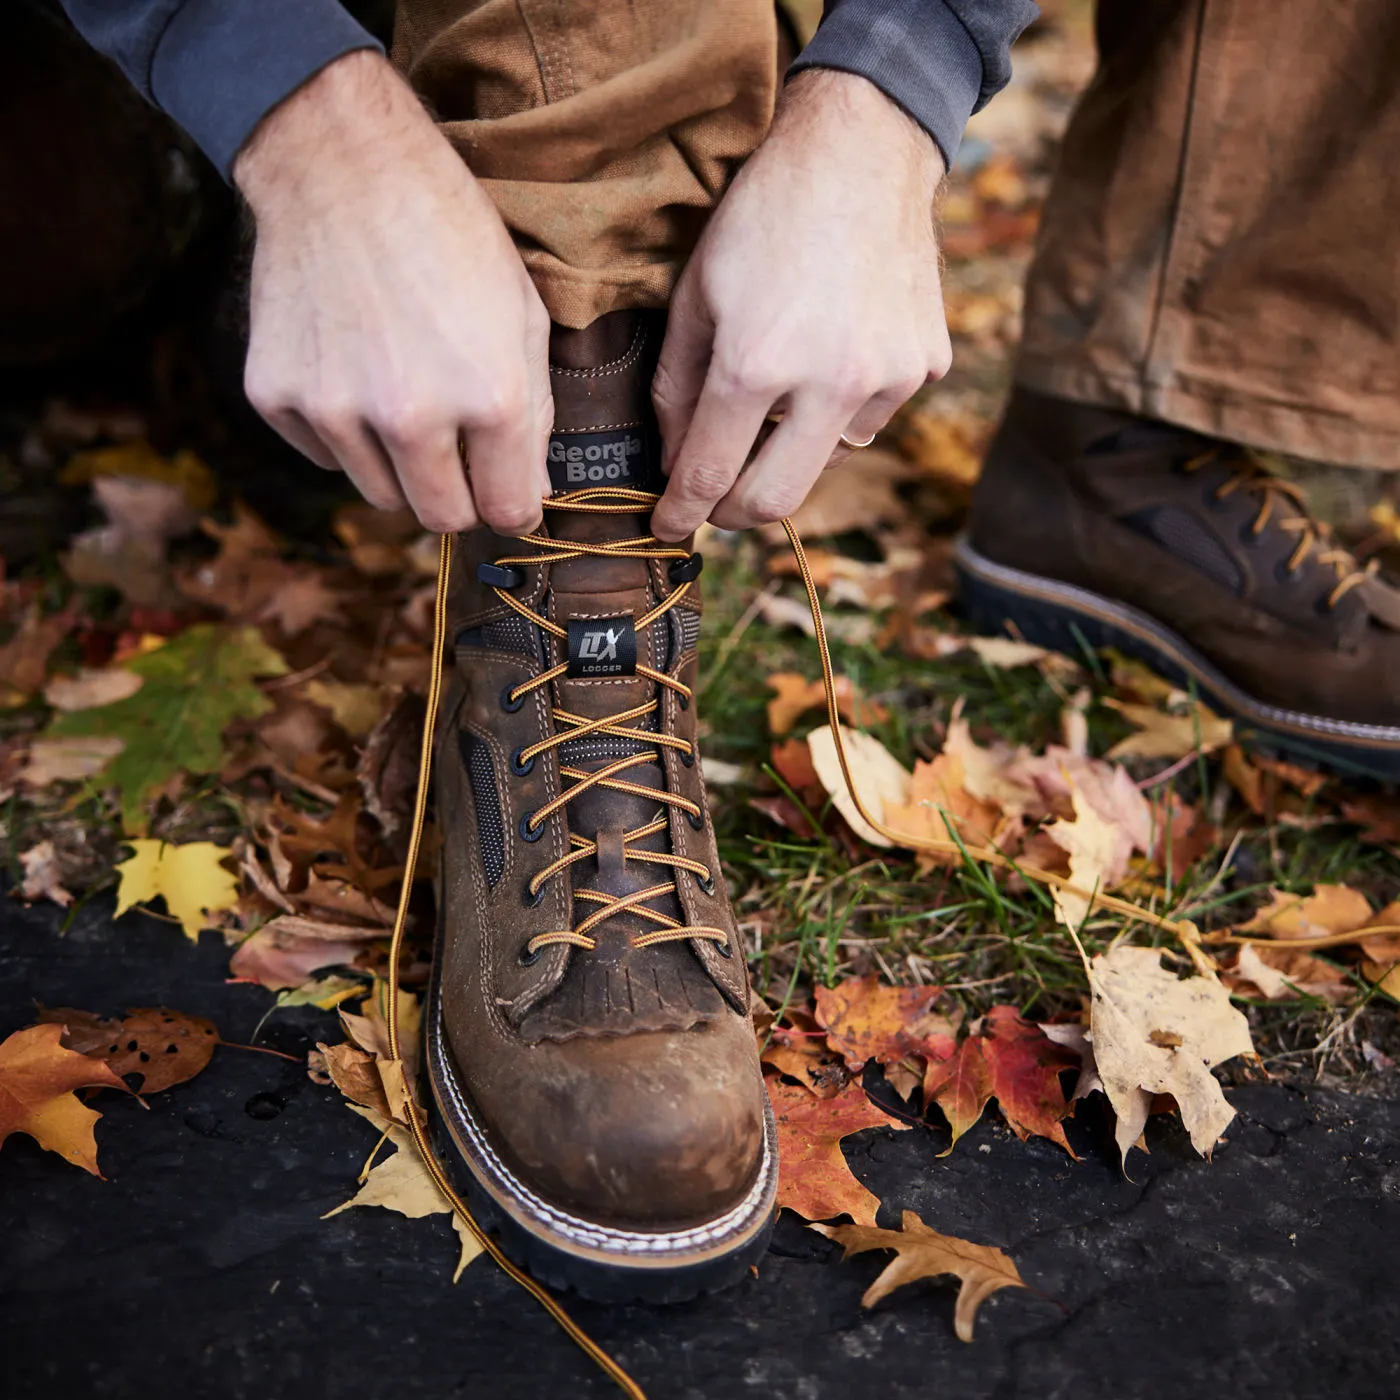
(941, 60)
(217, 67)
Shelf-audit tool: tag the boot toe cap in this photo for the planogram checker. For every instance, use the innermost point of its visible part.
(650, 1129)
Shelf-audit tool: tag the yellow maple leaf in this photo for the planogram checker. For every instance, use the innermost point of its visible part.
(189, 878)
(1170, 736)
(402, 1183)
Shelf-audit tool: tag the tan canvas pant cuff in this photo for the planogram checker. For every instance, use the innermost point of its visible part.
(1221, 247)
(604, 132)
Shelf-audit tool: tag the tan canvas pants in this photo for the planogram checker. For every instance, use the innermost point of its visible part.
(604, 131)
(1221, 247)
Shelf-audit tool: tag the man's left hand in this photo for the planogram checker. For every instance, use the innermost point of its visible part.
(813, 296)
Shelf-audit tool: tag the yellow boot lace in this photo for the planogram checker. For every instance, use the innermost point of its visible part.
(610, 500)
(1276, 497)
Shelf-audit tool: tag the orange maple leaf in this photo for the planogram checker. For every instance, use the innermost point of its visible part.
(960, 1086)
(37, 1079)
(866, 1021)
(813, 1178)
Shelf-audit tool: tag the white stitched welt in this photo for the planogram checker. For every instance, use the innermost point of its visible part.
(585, 1232)
(629, 358)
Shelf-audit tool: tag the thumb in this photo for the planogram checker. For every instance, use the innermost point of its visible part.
(684, 362)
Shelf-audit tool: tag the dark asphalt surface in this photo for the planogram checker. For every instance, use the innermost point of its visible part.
(201, 1266)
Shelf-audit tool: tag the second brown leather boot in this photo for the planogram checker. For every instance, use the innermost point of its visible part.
(1094, 528)
(593, 1067)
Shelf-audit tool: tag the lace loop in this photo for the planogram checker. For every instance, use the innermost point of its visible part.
(1314, 537)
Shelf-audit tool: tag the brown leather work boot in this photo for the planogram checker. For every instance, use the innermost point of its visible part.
(1091, 528)
(593, 1066)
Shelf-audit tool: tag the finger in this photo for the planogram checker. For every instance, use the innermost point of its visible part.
(504, 455)
(779, 478)
(433, 476)
(363, 458)
(681, 370)
(726, 422)
(294, 429)
(541, 395)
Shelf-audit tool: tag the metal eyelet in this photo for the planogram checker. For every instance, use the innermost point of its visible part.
(1250, 536)
(531, 901)
(706, 883)
(725, 951)
(510, 702)
(696, 820)
(521, 767)
(682, 702)
(688, 758)
(528, 959)
(1286, 575)
(529, 833)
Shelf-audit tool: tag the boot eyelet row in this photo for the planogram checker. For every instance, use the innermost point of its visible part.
(510, 702)
(521, 767)
(529, 833)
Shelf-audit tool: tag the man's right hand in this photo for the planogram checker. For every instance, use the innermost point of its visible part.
(392, 321)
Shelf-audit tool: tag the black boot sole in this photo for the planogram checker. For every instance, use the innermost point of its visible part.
(603, 1262)
(1064, 617)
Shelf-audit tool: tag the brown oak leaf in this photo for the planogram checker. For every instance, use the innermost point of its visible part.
(164, 1047)
(924, 1253)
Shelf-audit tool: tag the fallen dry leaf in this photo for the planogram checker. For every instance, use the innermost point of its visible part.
(796, 695)
(357, 708)
(940, 807)
(303, 598)
(24, 659)
(813, 1178)
(129, 552)
(1099, 852)
(286, 950)
(164, 1047)
(91, 688)
(865, 1020)
(1133, 997)
(1330, 909)
(1025, 1067)
(68, 760)
(924, 1253)
(1169, 736)
(879, 777)
(190, 878)
(1284, 974)
(960, 1086)
(401, 1183)
(37, 1079)
(43, 875)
